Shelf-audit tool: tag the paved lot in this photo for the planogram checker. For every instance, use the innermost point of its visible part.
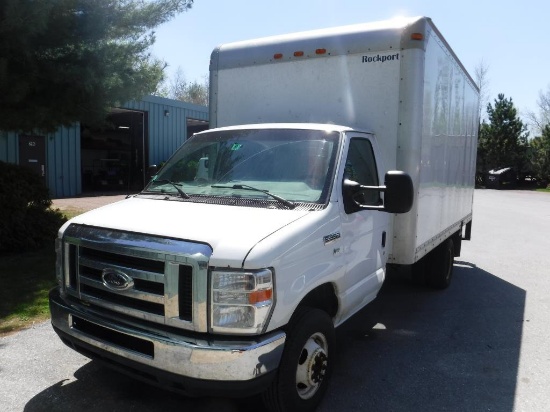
(481, 345)
(86, 202)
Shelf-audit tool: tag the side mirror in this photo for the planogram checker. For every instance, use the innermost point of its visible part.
(151, 171)
(398, 194)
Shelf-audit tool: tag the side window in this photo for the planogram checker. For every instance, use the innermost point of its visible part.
(361, 167)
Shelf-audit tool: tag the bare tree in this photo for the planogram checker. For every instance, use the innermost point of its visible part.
(539, 121)
(482, 82)
(178, 88)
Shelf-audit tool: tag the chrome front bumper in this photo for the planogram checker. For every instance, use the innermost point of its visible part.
(234, 359)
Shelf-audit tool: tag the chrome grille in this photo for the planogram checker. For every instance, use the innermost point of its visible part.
(168, 276)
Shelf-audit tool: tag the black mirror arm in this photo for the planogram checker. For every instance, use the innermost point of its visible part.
(355, 187)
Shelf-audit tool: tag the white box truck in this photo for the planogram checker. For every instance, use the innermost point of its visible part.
(334, 154)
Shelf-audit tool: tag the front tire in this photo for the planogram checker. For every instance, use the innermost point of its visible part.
(306, 366)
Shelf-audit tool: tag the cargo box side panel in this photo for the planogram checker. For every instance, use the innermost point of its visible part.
(448, 154)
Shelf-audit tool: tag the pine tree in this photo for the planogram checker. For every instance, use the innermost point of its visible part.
(502, 141)
(63, 61)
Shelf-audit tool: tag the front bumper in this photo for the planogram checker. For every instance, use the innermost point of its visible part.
(191, 364)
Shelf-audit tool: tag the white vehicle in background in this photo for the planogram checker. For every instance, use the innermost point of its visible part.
(334, 154)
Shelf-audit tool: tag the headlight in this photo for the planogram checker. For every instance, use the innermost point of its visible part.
(241, 301)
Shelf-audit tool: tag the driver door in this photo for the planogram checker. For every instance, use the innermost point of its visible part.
(363, 231)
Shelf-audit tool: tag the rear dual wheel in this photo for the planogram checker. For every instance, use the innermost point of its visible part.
(436, 268)
(441, 267)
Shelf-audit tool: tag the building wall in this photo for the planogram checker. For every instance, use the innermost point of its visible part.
(63, 161)
(9, 149)
(62, 158)
(167, 130)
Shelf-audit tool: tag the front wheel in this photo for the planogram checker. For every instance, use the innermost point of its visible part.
(306, 366)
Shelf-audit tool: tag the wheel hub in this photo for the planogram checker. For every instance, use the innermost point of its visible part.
(312, 366)
(318, 367)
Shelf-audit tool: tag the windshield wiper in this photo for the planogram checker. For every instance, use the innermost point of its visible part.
(181, 192)
(285, 202)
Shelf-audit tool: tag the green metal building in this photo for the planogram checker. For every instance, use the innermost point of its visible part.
(80, 160)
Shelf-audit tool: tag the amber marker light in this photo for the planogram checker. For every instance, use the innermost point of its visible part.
(417, 36)
(278, 56)
(260, 296)
(320, 51)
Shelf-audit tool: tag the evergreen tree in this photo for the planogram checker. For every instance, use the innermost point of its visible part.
(63, 61)
(481, 160)
(502, 141)
(540, 155)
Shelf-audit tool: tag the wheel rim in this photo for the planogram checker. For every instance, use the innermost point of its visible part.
(312, 366)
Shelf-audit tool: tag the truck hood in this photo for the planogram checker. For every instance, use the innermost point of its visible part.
(231, 231)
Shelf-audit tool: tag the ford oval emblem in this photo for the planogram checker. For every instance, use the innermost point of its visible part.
(116, 280)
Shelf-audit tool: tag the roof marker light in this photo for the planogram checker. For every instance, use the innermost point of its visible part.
(320, 51)
(417, 36)
(298, 53)
(278, 56)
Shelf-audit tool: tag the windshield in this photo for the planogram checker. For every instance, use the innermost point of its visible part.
(294, 165)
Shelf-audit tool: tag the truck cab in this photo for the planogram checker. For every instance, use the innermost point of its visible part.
(243, 230)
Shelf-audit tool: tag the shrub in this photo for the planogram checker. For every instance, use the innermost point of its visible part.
(26, 220)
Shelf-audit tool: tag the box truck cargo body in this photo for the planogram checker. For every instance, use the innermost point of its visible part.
(334, 154)
(401, 82)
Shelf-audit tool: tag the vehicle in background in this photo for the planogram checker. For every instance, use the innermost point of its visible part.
(502, 178)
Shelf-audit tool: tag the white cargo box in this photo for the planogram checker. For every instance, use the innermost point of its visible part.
(398, 79)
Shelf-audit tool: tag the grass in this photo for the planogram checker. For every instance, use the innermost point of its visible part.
(547, 190)
(26, 279)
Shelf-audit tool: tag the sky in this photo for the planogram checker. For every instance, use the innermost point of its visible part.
(508, 37)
